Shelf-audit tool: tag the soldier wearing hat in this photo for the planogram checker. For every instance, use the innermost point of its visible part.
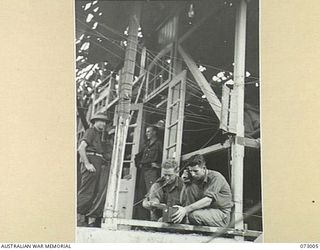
(95, 151)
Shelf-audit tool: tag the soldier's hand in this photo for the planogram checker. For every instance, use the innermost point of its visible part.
(178, 216)
(90, 167)
(146, 204)
(186, 177)
(154, 165)
(149, 204)
(153, 203)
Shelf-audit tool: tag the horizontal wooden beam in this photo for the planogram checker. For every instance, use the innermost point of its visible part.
(187, 227)
(157, 91)
(248, 142)
(202, 82)
(208, 150)
(164, 101)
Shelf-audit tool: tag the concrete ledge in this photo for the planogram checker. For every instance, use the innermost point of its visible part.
(99, 235)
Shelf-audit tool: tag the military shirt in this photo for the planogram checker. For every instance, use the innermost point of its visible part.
(214, 186)
(93, 138)
(152, 152)
(168, 194)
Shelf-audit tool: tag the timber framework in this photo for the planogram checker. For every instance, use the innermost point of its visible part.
(193, 66)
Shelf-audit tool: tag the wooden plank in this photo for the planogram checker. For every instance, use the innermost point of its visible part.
(143, 60)
(157, 91)
(114, 101)
(202, 82)
(104, 93)
(153, 63)
(187, 227)
(181, 98)
(248, 142)
(125, 92)
(140, 87)
(139, 77)
(133, 169)
(208, 150)
(237, 150)
(179, 79)
(225, 110)
(161, 103)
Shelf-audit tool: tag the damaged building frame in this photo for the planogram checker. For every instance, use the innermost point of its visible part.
(193, 65)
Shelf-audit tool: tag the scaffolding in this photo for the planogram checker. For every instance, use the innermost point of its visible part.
(161, 91)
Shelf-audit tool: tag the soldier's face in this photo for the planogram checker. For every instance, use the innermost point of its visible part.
(150, 133)
(100, 124)
(169, 175)
(197, 172)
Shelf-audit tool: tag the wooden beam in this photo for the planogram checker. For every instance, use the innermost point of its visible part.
(125, 94)
(187, 227)
(161, 103)
(115, 100)
(237, 150)
(140, 89)
(211, 149)
(143, 59)
(202, 82)
(248, 142)
(157, 91)
(174, 126)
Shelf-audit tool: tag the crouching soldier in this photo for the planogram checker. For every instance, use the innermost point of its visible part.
(207, 199)
(165, 192)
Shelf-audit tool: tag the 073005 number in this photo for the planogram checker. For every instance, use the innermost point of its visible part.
(304, 245)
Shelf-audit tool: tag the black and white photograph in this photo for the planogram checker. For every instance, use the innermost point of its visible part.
(168, 141)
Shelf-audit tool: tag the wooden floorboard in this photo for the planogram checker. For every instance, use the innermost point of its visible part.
(186, 227)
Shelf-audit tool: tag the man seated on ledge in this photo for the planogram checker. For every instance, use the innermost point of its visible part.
(165, 192)
(207, 199)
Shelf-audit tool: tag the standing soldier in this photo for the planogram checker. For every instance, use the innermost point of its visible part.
(148, 161)
(95, 154)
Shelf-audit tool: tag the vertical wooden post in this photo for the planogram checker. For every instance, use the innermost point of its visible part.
(177, 62)
(125, 92)
(143, 60)
(237, 149)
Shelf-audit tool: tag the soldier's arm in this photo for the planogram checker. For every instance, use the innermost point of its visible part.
(83, 155)
(203, 203)
(178, 216)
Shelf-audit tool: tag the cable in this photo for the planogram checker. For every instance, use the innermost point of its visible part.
(149, 71)
(154, 110)
(160, 66)
(250, 212)
(210, 139)
(176, 58)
